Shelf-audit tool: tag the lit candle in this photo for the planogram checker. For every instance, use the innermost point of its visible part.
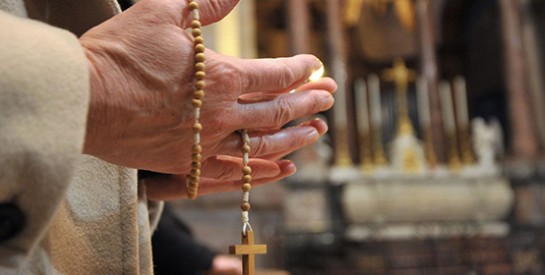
(374, 93)
(361, 105)
(461, 101)
(446, 106)
(423, 103)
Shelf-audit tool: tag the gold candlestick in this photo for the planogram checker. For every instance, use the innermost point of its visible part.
(365, 153)
(462, 119)
(449, 125)
(375, 108)
(453, 159)
(428, 147)
(362, 115)
(342, 154)
(465, 146)
(379, 158)
(425, 121)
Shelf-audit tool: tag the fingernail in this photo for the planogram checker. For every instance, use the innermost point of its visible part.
(289, 166)
(312, 133)
(318, 64)
(326, 101)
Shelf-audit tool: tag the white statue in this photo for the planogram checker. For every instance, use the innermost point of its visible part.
(487, 144)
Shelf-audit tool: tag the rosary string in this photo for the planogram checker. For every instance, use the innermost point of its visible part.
(246, 182)
(192, 183)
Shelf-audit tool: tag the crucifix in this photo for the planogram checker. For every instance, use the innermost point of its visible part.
(407, 153)
(401, 76)
(248, 250)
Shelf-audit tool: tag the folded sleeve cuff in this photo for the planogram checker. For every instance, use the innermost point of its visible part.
(44, 93)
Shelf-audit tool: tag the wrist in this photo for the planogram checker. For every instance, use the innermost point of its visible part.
(96, 93)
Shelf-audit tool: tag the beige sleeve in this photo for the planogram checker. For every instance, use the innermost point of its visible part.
(44, 94)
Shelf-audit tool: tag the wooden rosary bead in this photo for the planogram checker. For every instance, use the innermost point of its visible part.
(199, 75)
(198, 40)
(193, 5)
(196, 24)
(199, 66)
(196, 32)
(196, 103)
(190, 178)
(245, 148)
(245, 206)
(200, 57)
(195, 173)
(246, 170)
(200, 84)
(196, 157)
(197, 127)
(199, 48)
(195, 165)
(192, 186)
(246, 187)
(247, 179)
(192, 182)
(196, 149)
(198, 94)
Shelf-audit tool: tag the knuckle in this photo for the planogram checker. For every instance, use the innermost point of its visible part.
(219, 122)
(261, 147)
(223, 76)
(284, 111)
(287, 75)
(230, 77)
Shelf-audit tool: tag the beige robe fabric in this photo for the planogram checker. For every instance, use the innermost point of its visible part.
(83, 215)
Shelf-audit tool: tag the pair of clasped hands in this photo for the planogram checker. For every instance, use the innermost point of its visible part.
(140, 113)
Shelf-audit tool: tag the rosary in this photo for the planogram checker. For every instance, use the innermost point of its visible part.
(247, 249)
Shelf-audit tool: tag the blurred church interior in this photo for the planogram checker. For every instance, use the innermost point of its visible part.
(434, 160)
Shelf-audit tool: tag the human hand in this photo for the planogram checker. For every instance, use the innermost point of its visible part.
(140, 115)
(225, 265)
(222, 173)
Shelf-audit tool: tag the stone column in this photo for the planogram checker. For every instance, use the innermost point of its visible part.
(535, 71)
(523, 145)
(299, 26)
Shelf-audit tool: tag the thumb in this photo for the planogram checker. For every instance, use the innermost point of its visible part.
(178, 12)
(210, 11)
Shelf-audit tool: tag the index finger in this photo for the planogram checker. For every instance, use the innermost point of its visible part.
(276, 74)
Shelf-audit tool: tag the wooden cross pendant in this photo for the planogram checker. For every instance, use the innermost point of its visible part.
(248, 250)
